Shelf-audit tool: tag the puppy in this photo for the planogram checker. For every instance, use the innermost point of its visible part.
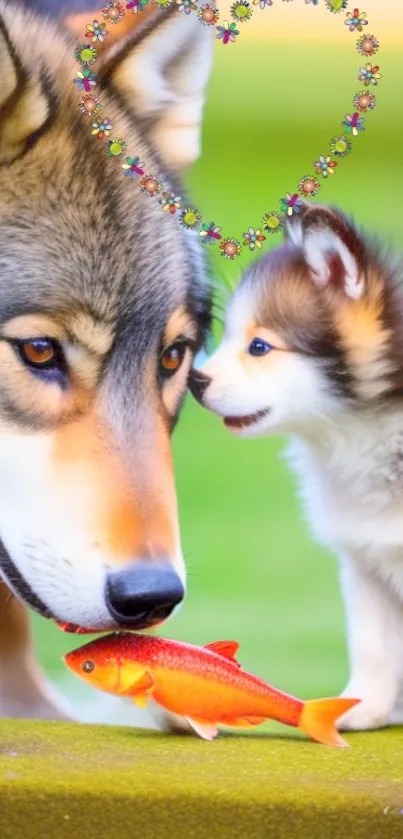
(312, 349)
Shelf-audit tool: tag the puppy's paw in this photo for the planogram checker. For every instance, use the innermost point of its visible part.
(373, 711)
(363, 718)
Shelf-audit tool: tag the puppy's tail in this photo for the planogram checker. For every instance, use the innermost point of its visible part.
(319, 716)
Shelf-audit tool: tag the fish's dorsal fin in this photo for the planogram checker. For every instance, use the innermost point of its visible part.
(226, 649)
(205, 729)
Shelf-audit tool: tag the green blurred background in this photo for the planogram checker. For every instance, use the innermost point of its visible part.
(255, 575)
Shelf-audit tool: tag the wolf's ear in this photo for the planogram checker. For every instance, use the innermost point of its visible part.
(332, 248)
(24, 103)
(162, 69)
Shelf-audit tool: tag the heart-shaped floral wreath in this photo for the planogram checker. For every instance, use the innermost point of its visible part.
(241, 11)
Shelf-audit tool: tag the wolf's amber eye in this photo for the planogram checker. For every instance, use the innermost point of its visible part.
(88, 666)
(172, 358)
(259, 347)
(41, 353)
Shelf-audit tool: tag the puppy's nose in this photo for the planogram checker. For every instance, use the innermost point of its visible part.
(143, 594)
(198, 384)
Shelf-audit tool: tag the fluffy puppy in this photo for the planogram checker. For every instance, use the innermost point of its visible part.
(312, 349)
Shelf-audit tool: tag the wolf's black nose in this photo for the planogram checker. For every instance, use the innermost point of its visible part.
(143, 594)
(198, 384)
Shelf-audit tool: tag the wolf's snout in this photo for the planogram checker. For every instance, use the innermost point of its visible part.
(198, 384)
(143, 595)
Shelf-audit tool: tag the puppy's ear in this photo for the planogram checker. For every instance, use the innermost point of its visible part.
(25, 103)
(161, 68)
(332, 248)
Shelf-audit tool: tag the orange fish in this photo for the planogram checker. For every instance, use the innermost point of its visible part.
(206, 685)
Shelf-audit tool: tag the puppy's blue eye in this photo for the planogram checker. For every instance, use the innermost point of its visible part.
(259, 347)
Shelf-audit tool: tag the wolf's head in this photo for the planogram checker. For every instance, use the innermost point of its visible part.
(312, 333)
(103, 304)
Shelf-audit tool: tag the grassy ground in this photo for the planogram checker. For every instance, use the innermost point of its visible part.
(254, 573)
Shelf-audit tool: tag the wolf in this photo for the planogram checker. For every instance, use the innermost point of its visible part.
(104, 302)
(312, 349)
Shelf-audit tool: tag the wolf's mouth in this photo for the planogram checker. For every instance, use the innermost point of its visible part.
(75, 629)
(21, 589)
(245, 422)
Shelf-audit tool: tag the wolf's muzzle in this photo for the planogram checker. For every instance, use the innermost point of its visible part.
(143, 594)
(198, 384)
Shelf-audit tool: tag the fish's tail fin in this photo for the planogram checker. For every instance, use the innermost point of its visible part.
(319, 716)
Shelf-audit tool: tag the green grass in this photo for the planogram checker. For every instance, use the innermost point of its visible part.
(254, 573)
(124, 783)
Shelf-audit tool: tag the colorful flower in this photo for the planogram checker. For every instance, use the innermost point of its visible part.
(210, 233)
(170, 202)
(369, 75)
(190, 218)
(364, 101)
(115, 147)
(137, 5)
(253, 238)
(230, 248)
(89, 105)
(208, 15)
(133, 166)
(241, 10)
(340, 146)
(227, 32)
(186, 6)
(262, 3)
(290, 204)
(336, 6)
(95, 31)
(85, 79)
(163, 4)
(353, 124)
(325, 166)
(367, 45)
(355, 20)
(102, 129)
(150, 185)
(113, 12)
(86, 55)
(273, 222)
(308, 185)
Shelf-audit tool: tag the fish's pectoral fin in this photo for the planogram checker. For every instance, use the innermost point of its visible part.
(141, 699)
(226, 649)
(204, 728)
(134, 679)
(243, 722)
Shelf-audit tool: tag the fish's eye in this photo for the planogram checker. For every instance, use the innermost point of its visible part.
(88, 666)
(259, 347)
(171, 359)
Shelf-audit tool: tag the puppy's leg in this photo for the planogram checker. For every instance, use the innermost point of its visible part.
(375, 634)
(24, 691)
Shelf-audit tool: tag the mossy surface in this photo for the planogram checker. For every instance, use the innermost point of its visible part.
(91, 782)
